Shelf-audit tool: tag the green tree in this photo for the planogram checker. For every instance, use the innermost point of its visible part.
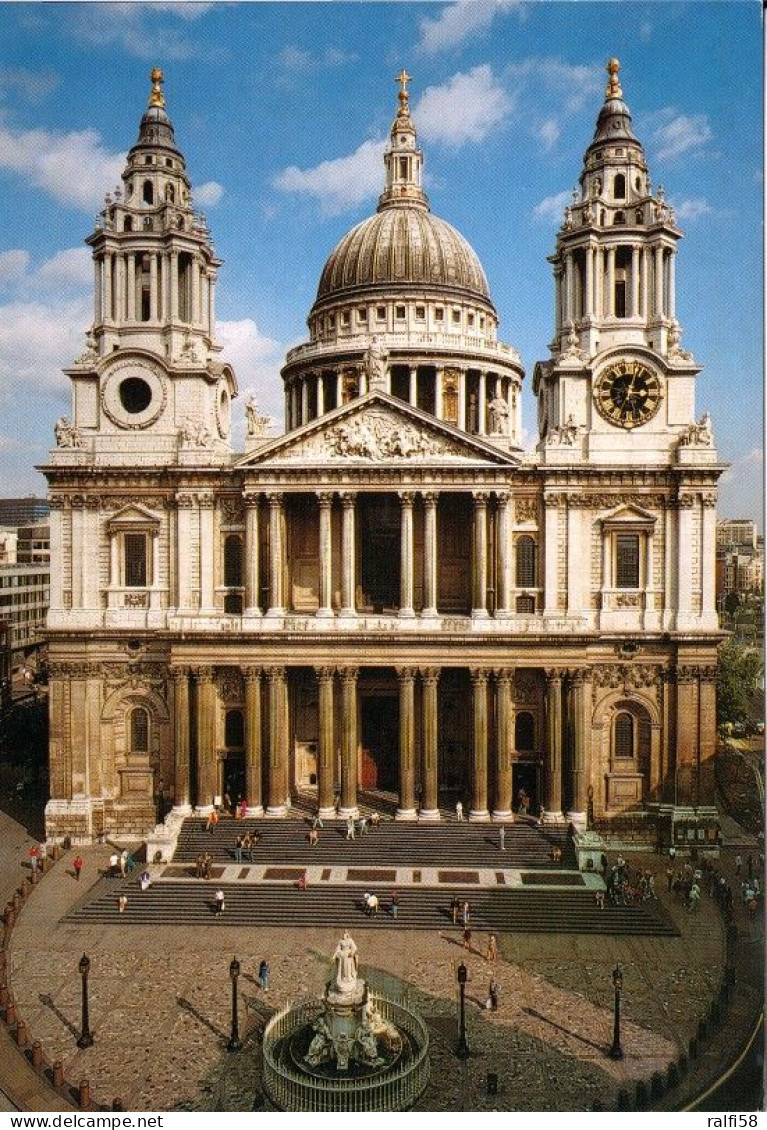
(739, 682)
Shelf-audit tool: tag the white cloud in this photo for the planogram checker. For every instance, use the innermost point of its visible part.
(37, 338)
(675, 134)
(573, 86)
(553, 207)
(692, 209)
(32, 86)
(741, 487)
(13, 266)
(75, 168)
(257, 360)
(208, 195)
(138, 29)
(549, 133)
(301, 61)
(340, 183)
(466, 108)
(459, 21)
(73, 267)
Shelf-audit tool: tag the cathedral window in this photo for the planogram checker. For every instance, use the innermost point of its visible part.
(381, 313)
(399, 313)
(623, 739)
(233, 561)
(456, 316)
(128, 224)
(168, 163)
(135, 571)
(524, 732)
(139, 730)
(525, 561)
(619, 187)
(627, 561)
(147, 224)
(345, 318)
(147, 192)
(135, 395)
(470, 319)
(526, 605)
(619, 218)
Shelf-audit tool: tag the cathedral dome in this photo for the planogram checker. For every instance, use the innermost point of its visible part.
(403, 245)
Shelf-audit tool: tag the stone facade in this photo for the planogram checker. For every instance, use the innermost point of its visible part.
(392, 596)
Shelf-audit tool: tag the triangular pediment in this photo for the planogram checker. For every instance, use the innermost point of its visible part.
(628, 514)
(378, 428)
(133, 515)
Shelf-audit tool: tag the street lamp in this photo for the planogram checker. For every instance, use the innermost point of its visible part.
(462, 1051)
(616, 1051)
(85, 1039)
(235, 1044)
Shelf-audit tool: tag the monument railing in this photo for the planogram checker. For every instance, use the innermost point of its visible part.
(394, 1089)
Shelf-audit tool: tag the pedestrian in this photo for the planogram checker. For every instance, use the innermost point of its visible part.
(672, 852)
(34, 856)
(465, 911)
(458, 810)
(78, 866)
(694, 897)
(114, 865)
(302, 881)
(122, 902)
(317, 820)
(502, 837)
(651, 887)
(738, 864)
(455, 906)
(313, 837)
(372, 905)
(145, 879)
(212, 821)
(123, 862)
(493, 995)
(599, 899)
(130, 860)
(350, 828)
(394, 904)
(263, 975)
(238, 849)
(220, 901)
(669, 878)
(375, 819)
(492, 948)
(467, 938)
(207, 863)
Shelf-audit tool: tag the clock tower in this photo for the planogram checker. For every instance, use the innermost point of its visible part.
(618, 389)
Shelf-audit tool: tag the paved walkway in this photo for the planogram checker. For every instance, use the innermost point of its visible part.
(160, 999)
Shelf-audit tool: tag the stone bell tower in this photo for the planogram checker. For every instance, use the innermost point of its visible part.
(617, 367)
(149, 381)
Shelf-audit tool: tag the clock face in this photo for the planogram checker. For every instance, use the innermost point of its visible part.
(627, 393)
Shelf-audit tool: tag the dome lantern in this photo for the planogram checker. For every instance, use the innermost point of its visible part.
(403, 159)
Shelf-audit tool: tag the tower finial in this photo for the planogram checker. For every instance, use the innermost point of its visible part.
(156, 98)
(613, 87)
(403, 78)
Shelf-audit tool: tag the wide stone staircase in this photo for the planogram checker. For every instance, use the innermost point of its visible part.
(518, 889)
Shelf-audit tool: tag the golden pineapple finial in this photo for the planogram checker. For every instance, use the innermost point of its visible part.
(613, 87)
(156, 98)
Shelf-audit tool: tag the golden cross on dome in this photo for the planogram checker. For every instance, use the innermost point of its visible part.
(403, 78)
(613, 86)
(156, 98)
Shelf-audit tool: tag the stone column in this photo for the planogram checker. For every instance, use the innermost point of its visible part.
(645, 284)
(195, 311)
(610, 282)
(78, 550)
(304, 399)
(634, 304)
(277, 786)
(207, 774)
(479, 557)
(326, 747)
(575, 558)
(708, 555)
(320, 385)
(325, 500)
(98, 291)
(413, 386)
(551, 581)
(589, 269)
(174, 286)
(686, 776)
(131, 288)
(206, 503)
(184, 504)
(504, 740)
(671, 303)
(348, 555)
(569, 288)
(482, 403)
(430, 555)
(429, 779)
(684, 559)
(276, 555)
(579, 721)
(253, 751)
(153, 304)
(478, 806)
(552, 775)
(348, 806)
(252, 580)
(406, 809)
(181, 782)
(462, 399)
(707, 733)
(439, 407)
(558, 318)
(659, 279)
(406, 609)
(505, 564)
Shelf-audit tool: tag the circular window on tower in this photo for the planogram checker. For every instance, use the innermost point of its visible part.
(135, 395)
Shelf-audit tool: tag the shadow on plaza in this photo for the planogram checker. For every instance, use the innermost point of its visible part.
(47, 1000)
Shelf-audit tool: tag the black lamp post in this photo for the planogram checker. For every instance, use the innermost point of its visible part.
(235, 1044)
(462, 1051)
(616, 1051)
(85, 1039)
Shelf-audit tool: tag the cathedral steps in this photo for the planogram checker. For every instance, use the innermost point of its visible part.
(188, 903)
(453, 844)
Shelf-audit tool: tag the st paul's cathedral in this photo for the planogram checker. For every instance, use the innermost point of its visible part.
(393, 599)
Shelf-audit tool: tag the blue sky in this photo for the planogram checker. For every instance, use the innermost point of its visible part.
(282, 109)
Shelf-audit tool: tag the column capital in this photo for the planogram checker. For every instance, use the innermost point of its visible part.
(252, 499)
(275, 674)
(252, 674)
(325, 674)
(275, 499)
(553, 674)
(503, 497)
(348, 674)
(480, 497)
(504, 675)
(348, 498)
(406, 497)
(406, 674)
(325, 499)
(479, 678)
(202, 674)
(430, 497)
(206, 500)
(430, 675)
(576, 676)
(180, 674)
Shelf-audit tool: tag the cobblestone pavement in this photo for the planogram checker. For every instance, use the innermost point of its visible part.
(160, 1003)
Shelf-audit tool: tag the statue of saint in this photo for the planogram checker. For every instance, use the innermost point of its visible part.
(375, 365)
(498, 411)
(66, 434)
(252, 418)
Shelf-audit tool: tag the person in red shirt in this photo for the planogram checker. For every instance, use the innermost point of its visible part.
(78, 866)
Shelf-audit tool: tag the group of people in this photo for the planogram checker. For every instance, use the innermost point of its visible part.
(245, 845)
(361, 825)
(120, 863)
(202, 865)
(627, 886)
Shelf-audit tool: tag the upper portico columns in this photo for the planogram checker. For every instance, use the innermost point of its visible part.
(276, 554)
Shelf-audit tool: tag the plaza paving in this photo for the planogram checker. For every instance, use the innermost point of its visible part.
(160, 1001)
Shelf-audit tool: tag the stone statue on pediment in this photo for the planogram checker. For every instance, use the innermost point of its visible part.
(67, 435)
